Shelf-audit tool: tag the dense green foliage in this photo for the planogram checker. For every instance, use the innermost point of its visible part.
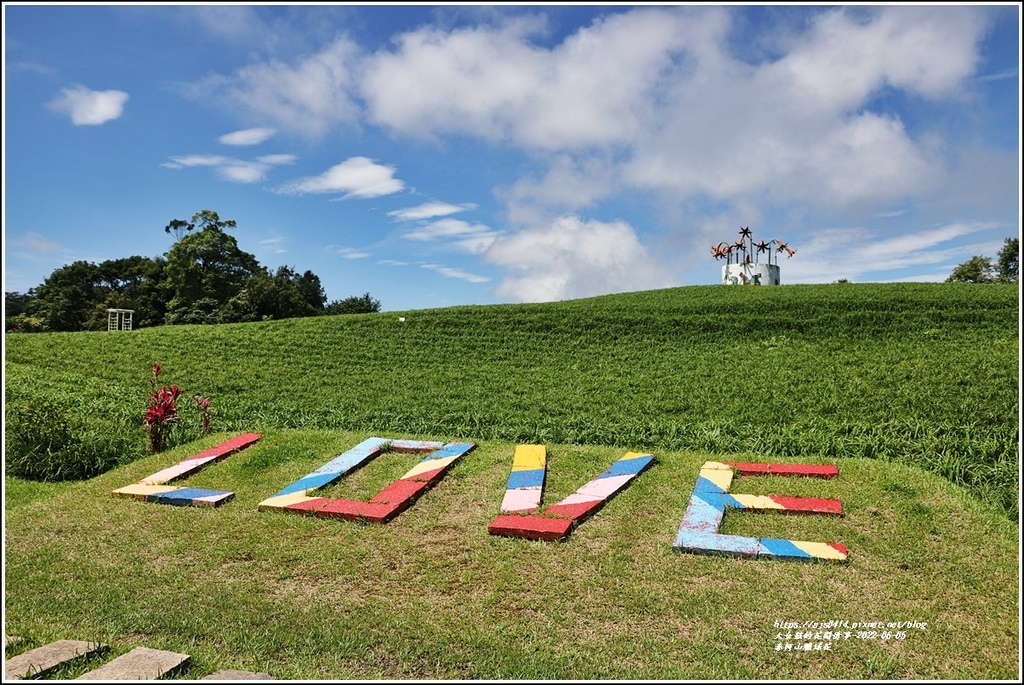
(980, 269)
(44, 442)
(924, 374)
(205, 278)
(364, 304)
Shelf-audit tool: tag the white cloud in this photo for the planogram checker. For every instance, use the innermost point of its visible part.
(392, 262)
(471, 238)
(230, 169)
(451, 272)
(182, 161)
(37, 243)
(357, 177)
(494, 82)
(243, 172)
(248, 136)
(89, 107)
(274, 160)
(351, 253)
(854, 252)
(572, 258)
(308, 97)
(274, 245)
(429, 210)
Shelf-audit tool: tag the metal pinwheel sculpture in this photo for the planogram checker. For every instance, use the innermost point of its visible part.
(745, 244)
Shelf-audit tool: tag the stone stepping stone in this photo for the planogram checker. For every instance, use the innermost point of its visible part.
(142, 663)
(45, 658)
(231, 674)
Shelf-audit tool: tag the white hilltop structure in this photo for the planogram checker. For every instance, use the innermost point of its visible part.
(743, 265)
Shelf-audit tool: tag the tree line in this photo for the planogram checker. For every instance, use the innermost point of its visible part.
(204, 278)
(980, 269)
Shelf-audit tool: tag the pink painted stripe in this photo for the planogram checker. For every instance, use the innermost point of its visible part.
(521, 499)
(605, 487)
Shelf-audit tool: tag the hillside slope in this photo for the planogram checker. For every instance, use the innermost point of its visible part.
(925, 374)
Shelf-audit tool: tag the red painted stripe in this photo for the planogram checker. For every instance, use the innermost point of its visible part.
(747, 468)
(308, 507)
(228, 446)
(813, 470)
(840, 547)
(573, 511)
(530, 527)
(400, 491)
(342, 508)
(381, 513)
(809, 505)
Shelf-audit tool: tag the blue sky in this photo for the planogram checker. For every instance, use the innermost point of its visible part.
(446, 155)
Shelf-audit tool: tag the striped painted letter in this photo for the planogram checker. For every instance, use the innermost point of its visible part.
(155, 489)
(698, 532)
(386, 504)
(519, 517)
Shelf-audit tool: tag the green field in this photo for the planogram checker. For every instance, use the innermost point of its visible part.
(911, 389)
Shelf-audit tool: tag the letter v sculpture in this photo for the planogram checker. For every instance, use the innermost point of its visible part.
(519, 517)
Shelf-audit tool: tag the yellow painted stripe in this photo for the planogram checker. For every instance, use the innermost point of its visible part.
(819, 550)
(282, 501)
(429, 465)
(140, 491)
(757, 501)
(529, 457)
(715, 465)
(719, 477)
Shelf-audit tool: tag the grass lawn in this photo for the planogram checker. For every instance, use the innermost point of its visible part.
(432, 595)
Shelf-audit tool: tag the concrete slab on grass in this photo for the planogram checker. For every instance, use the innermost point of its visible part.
(47, 657)
(142, 663)
(231, 674)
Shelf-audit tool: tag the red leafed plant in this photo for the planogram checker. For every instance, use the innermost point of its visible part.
(205, 413)
(161, 411)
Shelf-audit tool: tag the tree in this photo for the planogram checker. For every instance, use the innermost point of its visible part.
(312, 290)
(1008, 261)
(18, 313)
(277, 296)
(178, 227)
(977, 269)
(207, 265)
(354, 305)
(66, 299)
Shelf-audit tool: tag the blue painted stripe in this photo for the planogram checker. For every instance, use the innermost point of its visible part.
(701, 515)
(346, 461)
(782, 548)
(526, 479)
(190, 493)
(310, 482)
(704, 485)
(695, 541)
(452, 449)
(625, 467)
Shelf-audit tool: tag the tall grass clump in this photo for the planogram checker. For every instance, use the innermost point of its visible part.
(45, 442)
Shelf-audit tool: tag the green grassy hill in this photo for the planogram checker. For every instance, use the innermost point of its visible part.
(912, 390)
(922, 374)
